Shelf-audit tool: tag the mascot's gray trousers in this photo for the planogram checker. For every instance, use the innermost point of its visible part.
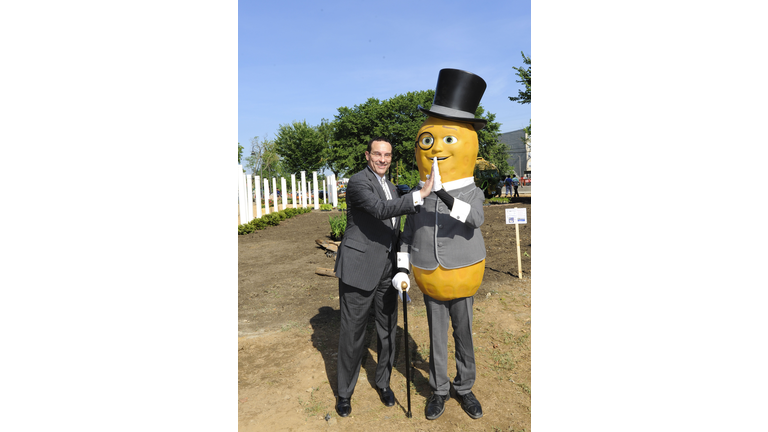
(460, 313)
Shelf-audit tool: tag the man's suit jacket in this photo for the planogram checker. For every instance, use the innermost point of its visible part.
(370, 238)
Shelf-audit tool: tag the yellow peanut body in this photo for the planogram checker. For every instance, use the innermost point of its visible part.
(444, 284)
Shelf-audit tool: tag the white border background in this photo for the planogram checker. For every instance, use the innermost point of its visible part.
(649, 314)
(119, 276)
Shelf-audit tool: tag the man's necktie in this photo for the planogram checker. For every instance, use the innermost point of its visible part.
(389, 196)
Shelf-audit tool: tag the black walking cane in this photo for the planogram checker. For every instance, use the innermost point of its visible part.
(404, 285)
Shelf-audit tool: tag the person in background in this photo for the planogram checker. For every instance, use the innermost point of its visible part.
(508, 184)
(515, 184)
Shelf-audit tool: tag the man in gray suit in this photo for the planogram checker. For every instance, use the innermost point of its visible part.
(365, 266)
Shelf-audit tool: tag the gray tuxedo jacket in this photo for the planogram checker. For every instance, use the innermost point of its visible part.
(433, 237)
(370, 238)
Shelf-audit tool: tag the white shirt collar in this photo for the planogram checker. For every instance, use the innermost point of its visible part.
(455, 184)
(378, 177)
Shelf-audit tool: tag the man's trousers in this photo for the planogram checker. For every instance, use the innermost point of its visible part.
(355, 305)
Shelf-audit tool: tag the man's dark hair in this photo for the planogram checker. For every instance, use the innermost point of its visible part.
(377, 139)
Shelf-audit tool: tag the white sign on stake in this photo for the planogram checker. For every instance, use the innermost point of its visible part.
(515, 216)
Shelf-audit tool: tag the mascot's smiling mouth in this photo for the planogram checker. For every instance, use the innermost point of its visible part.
(443, 158)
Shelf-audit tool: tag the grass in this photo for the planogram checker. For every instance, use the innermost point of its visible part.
(424, 350)
(523, 341)
(275, 291)
(502, 361)
(312, 407)
(289, 325)
(419, 312)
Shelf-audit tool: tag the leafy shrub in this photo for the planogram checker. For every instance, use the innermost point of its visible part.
(343, 205)
(326, 207)
(272, 219)
(338, 226)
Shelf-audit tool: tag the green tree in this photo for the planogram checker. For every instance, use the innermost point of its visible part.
(239, 153)
(301, 147)
(398, 119)
(491, 149)
(264, 160)
(325, 131)
(523, 97)
(353, 128)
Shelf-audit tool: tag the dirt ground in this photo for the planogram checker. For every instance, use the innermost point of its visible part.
(288, 324)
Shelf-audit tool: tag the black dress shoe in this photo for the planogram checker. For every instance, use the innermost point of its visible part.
(343, 407)
(435, 406)
(471, 405)
(386, 396)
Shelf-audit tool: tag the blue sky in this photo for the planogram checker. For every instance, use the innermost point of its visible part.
(302, 60)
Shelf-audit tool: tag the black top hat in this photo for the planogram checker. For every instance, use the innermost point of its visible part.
(457, 96)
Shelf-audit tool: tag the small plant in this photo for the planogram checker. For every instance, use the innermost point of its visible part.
(338, 226)
(498, 200)
(326, 207)
(343, 205)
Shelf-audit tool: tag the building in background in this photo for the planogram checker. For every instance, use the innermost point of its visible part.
(518, 151)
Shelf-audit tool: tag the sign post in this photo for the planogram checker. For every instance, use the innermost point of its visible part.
(516, 216)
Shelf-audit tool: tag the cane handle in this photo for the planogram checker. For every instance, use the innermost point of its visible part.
(403, 284)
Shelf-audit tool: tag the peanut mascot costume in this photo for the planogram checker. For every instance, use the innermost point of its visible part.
(443, 242)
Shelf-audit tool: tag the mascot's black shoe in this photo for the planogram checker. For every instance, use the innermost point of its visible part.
(343, 407)
(471, 405)
(435, 406)
(386, 396)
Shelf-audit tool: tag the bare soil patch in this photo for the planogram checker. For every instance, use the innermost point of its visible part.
(288, 324)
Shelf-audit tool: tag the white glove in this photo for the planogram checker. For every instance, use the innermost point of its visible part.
(397, 283)
(438, 184)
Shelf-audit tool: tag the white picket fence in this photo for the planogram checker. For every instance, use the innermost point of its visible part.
(254, 196)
